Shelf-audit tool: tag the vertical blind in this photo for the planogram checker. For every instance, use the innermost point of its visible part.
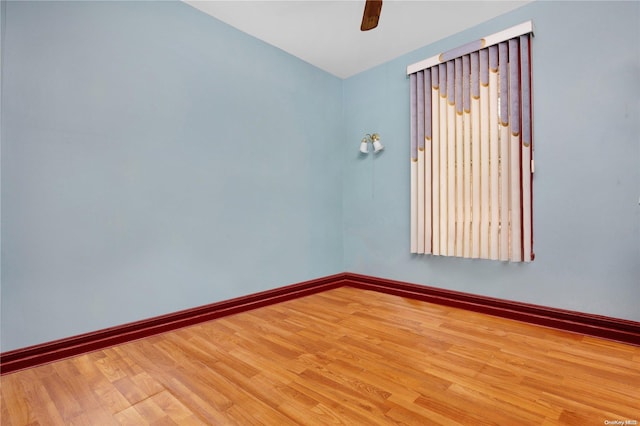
(471, 150)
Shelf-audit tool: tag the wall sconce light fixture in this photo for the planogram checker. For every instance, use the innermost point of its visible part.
(373, 139)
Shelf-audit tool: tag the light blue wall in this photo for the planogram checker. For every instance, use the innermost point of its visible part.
(586, 60)
(155, 159)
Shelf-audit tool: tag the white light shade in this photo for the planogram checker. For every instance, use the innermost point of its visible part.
(364, 148)
(377, 146)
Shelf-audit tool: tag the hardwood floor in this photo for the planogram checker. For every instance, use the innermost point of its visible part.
(345, 356)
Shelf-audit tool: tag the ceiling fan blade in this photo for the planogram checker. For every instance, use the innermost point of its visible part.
(371, 15)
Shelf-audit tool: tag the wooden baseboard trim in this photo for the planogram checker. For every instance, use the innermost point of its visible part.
(32, 356)
(620, 330)
(594, 325)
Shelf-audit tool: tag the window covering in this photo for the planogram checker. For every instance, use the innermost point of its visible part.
(471, 150)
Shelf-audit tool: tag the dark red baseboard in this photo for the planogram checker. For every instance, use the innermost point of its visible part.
(620, 330)
(59, 349)
(594, 325)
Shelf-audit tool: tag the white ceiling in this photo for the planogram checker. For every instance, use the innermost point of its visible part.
(326, 33)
